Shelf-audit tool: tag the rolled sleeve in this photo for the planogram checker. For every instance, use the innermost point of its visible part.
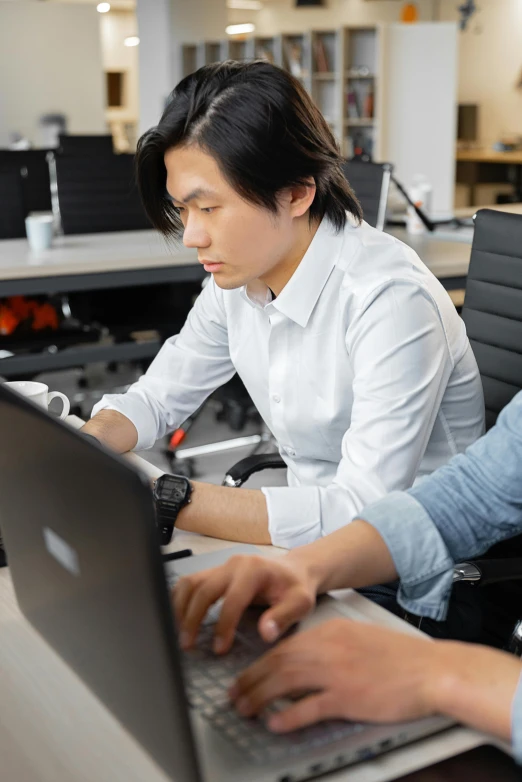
(284, 506)
(136, 410)
(420, 556)
(516, 723)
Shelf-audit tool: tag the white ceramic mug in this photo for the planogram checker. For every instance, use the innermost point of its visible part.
(39, 394)
(39, 229)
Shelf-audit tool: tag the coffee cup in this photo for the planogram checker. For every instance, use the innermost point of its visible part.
(39, 230)
(39, 394)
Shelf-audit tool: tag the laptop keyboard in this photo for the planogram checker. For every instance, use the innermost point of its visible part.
(208, 678)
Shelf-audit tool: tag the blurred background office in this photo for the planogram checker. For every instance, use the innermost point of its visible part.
(431, 88)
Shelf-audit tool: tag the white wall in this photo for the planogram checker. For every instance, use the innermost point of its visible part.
(115, 27)
(50, 61)
(491, 65)
(193, 21)
(155, 58)
(163, 26)
(283, 16)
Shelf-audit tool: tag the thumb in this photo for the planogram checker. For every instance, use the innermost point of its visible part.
(293, 606)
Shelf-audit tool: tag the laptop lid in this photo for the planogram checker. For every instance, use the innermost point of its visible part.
(79, 530)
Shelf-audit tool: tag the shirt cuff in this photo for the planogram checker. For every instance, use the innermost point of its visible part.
(133, 408)
(422, 560)
(285, 505)
(516, 723)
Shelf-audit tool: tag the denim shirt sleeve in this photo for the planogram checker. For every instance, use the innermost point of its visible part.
(457, 513)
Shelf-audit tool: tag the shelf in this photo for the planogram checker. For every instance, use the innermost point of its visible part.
(330, 76)
(362, 122)
(353, 77)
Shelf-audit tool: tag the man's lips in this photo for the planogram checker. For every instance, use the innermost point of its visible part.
(210, 266)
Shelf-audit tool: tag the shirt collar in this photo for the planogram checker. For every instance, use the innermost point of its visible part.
(301, 293)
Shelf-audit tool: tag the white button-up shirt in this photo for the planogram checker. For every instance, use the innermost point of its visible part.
(361, 368)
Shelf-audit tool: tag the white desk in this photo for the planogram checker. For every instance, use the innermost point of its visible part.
(53, 729)
(86, 263)
(90, 254)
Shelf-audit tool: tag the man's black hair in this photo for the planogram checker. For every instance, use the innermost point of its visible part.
(265, 133)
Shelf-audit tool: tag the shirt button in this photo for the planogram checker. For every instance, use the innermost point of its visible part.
(276, 398)
(290, 451)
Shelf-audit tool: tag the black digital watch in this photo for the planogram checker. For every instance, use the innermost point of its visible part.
(171, 493)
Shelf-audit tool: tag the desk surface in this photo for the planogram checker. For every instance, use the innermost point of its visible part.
(490, 156)
(55, 730)
(445, 256)
(130, 251)
(92, 253)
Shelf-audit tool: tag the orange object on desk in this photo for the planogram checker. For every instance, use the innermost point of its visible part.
(409, 13)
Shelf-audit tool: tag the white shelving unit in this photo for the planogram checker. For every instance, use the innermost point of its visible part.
(388, 90)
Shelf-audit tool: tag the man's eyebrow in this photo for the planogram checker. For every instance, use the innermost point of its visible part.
(198, 192)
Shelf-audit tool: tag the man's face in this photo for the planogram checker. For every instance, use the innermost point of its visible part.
(236, 240)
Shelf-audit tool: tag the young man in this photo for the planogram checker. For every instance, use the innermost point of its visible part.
(349, 347)
(362, 672)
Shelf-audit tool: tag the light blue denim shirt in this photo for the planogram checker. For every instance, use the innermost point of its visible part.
(455, 514)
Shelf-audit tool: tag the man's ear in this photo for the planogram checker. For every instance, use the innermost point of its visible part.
(301, 197)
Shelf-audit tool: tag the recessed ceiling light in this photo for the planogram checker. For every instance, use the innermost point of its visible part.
(132, 40)
(245, 5)
(240, 29)
(102, 8)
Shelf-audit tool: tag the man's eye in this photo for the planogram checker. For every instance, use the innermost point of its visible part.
(208, 209)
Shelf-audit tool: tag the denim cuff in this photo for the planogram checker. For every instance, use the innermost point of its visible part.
(418, 551)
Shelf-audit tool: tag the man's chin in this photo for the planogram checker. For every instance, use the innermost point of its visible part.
(226, 283)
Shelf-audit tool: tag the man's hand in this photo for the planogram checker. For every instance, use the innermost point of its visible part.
(284, 584)
(350, 670)
(363, 672)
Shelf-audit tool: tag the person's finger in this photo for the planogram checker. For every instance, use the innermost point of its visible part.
(206, 592)
(180, 596)
(295, 604)
(306, 711)
(246, 584)
(277, 684)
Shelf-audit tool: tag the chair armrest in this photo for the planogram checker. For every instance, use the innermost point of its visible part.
(481, 572)
(241, 471)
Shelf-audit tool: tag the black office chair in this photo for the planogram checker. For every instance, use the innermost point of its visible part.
(98, 194)
(33, 167)
(370, 183)
(12, 212)
(492, 313)
(85, 145)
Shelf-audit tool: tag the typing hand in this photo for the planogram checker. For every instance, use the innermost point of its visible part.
(285, 585)
(349, 670)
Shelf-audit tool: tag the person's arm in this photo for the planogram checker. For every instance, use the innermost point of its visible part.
(401, 362)
(113, 429)
(458, 512)
(363, 672)
(189, 367)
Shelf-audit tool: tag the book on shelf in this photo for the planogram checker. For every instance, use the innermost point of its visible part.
(294, 58)
(352, 105)
(321, 56)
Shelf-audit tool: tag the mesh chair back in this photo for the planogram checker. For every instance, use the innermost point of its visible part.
(492, 308)
(370, 183)
(85, 145)
(98, 195)
(12, 214)
(33, 167)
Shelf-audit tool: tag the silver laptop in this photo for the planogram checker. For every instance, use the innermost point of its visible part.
(79, 531)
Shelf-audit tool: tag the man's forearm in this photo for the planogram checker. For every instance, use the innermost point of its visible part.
(113, 429)
(229, 514)
(354, 556)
